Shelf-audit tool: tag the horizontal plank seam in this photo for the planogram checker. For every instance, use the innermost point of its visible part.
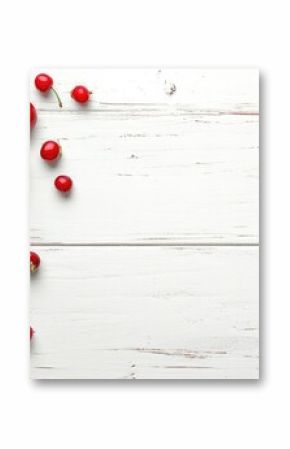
(198, 112)
(140, 244)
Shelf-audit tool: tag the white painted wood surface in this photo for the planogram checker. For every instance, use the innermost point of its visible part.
(176, 174)
(150, 178)
(145, 312)
(210, 91)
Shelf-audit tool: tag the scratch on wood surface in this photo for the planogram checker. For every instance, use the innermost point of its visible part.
(181, 367)
(44, 367)
(180, 352)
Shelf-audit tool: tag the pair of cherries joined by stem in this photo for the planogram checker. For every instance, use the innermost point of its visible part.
(44, 83)
(51, 151)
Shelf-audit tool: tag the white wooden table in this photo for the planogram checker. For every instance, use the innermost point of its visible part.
(150, 267)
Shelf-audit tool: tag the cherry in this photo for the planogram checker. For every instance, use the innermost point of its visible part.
(63, 183)
(33, 116)
(34, 261)
(31, 332)
(50, 150)
(44, 82)
(80, 94)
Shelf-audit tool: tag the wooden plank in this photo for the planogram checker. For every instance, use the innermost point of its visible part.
(162, 176)
(145, 313)
(208, 90)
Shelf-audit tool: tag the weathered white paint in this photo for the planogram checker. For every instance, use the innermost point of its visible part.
(147, 178)
(206, 90)
(151, 166)
(145, 312)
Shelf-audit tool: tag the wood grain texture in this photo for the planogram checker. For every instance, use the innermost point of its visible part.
(154, 176)
(150, 266)
(145, 312)
(210, 91)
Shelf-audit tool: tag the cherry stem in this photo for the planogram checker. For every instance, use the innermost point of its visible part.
(57, 96)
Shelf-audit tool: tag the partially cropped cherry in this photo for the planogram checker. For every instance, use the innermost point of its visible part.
(31, 332)
(81, 94)
(50, 151)
(44, 83)
(34, 261)
(63, 183)
(33, 116)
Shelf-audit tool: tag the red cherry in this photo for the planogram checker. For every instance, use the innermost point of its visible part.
(31, 332)
(63, 183)
(44, 82)
(80, 94)
(50, 150)
(34, 261)
(33, 116)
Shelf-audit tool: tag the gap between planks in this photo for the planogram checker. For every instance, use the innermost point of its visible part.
(191, 112)
(142, 244)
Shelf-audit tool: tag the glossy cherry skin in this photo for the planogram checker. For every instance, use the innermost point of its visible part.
(80, 94)
(43, 82)
(33, 116)
(34, 261)
(50, 150)
(31, 332)
(63, 183)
